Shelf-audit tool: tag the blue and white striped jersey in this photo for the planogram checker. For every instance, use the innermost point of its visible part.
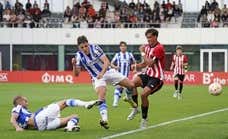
(23, 115)
(92, 62)
(123, 61)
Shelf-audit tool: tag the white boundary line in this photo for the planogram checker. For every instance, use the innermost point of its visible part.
(164, 123)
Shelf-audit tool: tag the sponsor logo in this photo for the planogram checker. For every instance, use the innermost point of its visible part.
(49, 78)
(3, 77)
(211, 78)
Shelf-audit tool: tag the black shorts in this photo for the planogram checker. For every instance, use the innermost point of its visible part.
(153, 83)
(180, 77)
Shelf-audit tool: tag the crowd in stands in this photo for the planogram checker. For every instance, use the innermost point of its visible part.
(83, 15)
(18, 16)
(130, 15)
(212, 16)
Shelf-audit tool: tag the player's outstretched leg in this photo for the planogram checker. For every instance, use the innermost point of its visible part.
(129, 91)
(80, 103)
(135, 110)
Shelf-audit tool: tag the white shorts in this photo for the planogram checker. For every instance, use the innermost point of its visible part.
(48, 118)
(111, 76)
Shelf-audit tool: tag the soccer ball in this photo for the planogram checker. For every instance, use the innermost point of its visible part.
(215, 89)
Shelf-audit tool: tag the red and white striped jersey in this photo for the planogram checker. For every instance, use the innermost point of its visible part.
(157, 69)
(178, 63)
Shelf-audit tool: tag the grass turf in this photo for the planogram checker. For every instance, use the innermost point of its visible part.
(162, 108)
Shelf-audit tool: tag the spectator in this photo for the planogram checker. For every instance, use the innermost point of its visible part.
(36, 18)
(214, 5)
(82, 11)
(168, 5)
(145, 4)
(175, 11)
(139, 4)
(225, 19)
(46, 12)
(20, 19)
(28, 22)
(6, 15)
(207, 5)
(17, 7)
(67, 14)
(132, 5)
(202, 13)
(217, 10)
(224, 9)
(35, 4)
(204, 21)
(164, 10)
(13, 19)
(1, 12)
(75, 10)
(7, 5)
(102, 12)
(210, 16)
(109, 18)
(104, 5)
(97, 23)
(117, 5)
(217, 17)
(83, 23)
(180, 8)
(170, 12)
(116, 17)
(28, 5)
(133, 20)
(146, 18)
(91, 12)
(46, 5)
(157, 12)
(90, 22)
(86, 4)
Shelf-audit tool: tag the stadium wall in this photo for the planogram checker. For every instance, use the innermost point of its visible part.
(192, 78)
(167, 36)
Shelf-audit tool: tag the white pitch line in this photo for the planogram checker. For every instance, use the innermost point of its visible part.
(163, 124)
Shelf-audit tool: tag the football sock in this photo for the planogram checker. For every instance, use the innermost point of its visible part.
(75, 103)
(73, 121)
(129, 93)
(135, 98)
(144, 112)
(176, 84)
(117, 94)
(103, 111)
(181, 87)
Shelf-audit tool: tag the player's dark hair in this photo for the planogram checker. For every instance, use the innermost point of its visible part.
(152, 31)
(16, 99)
(82, 39)
(122, 42)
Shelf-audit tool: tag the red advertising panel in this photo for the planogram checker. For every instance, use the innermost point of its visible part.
(194, 78)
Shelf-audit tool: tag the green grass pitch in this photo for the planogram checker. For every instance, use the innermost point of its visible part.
(163, 107)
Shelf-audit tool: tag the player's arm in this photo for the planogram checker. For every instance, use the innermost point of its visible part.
(185, 63)
(150, 61)
(114, 66)
(143, 63)
(106, 64)
(76, 68)
(13, 121)
(133, 63)
(113, 63)
(172, 64)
